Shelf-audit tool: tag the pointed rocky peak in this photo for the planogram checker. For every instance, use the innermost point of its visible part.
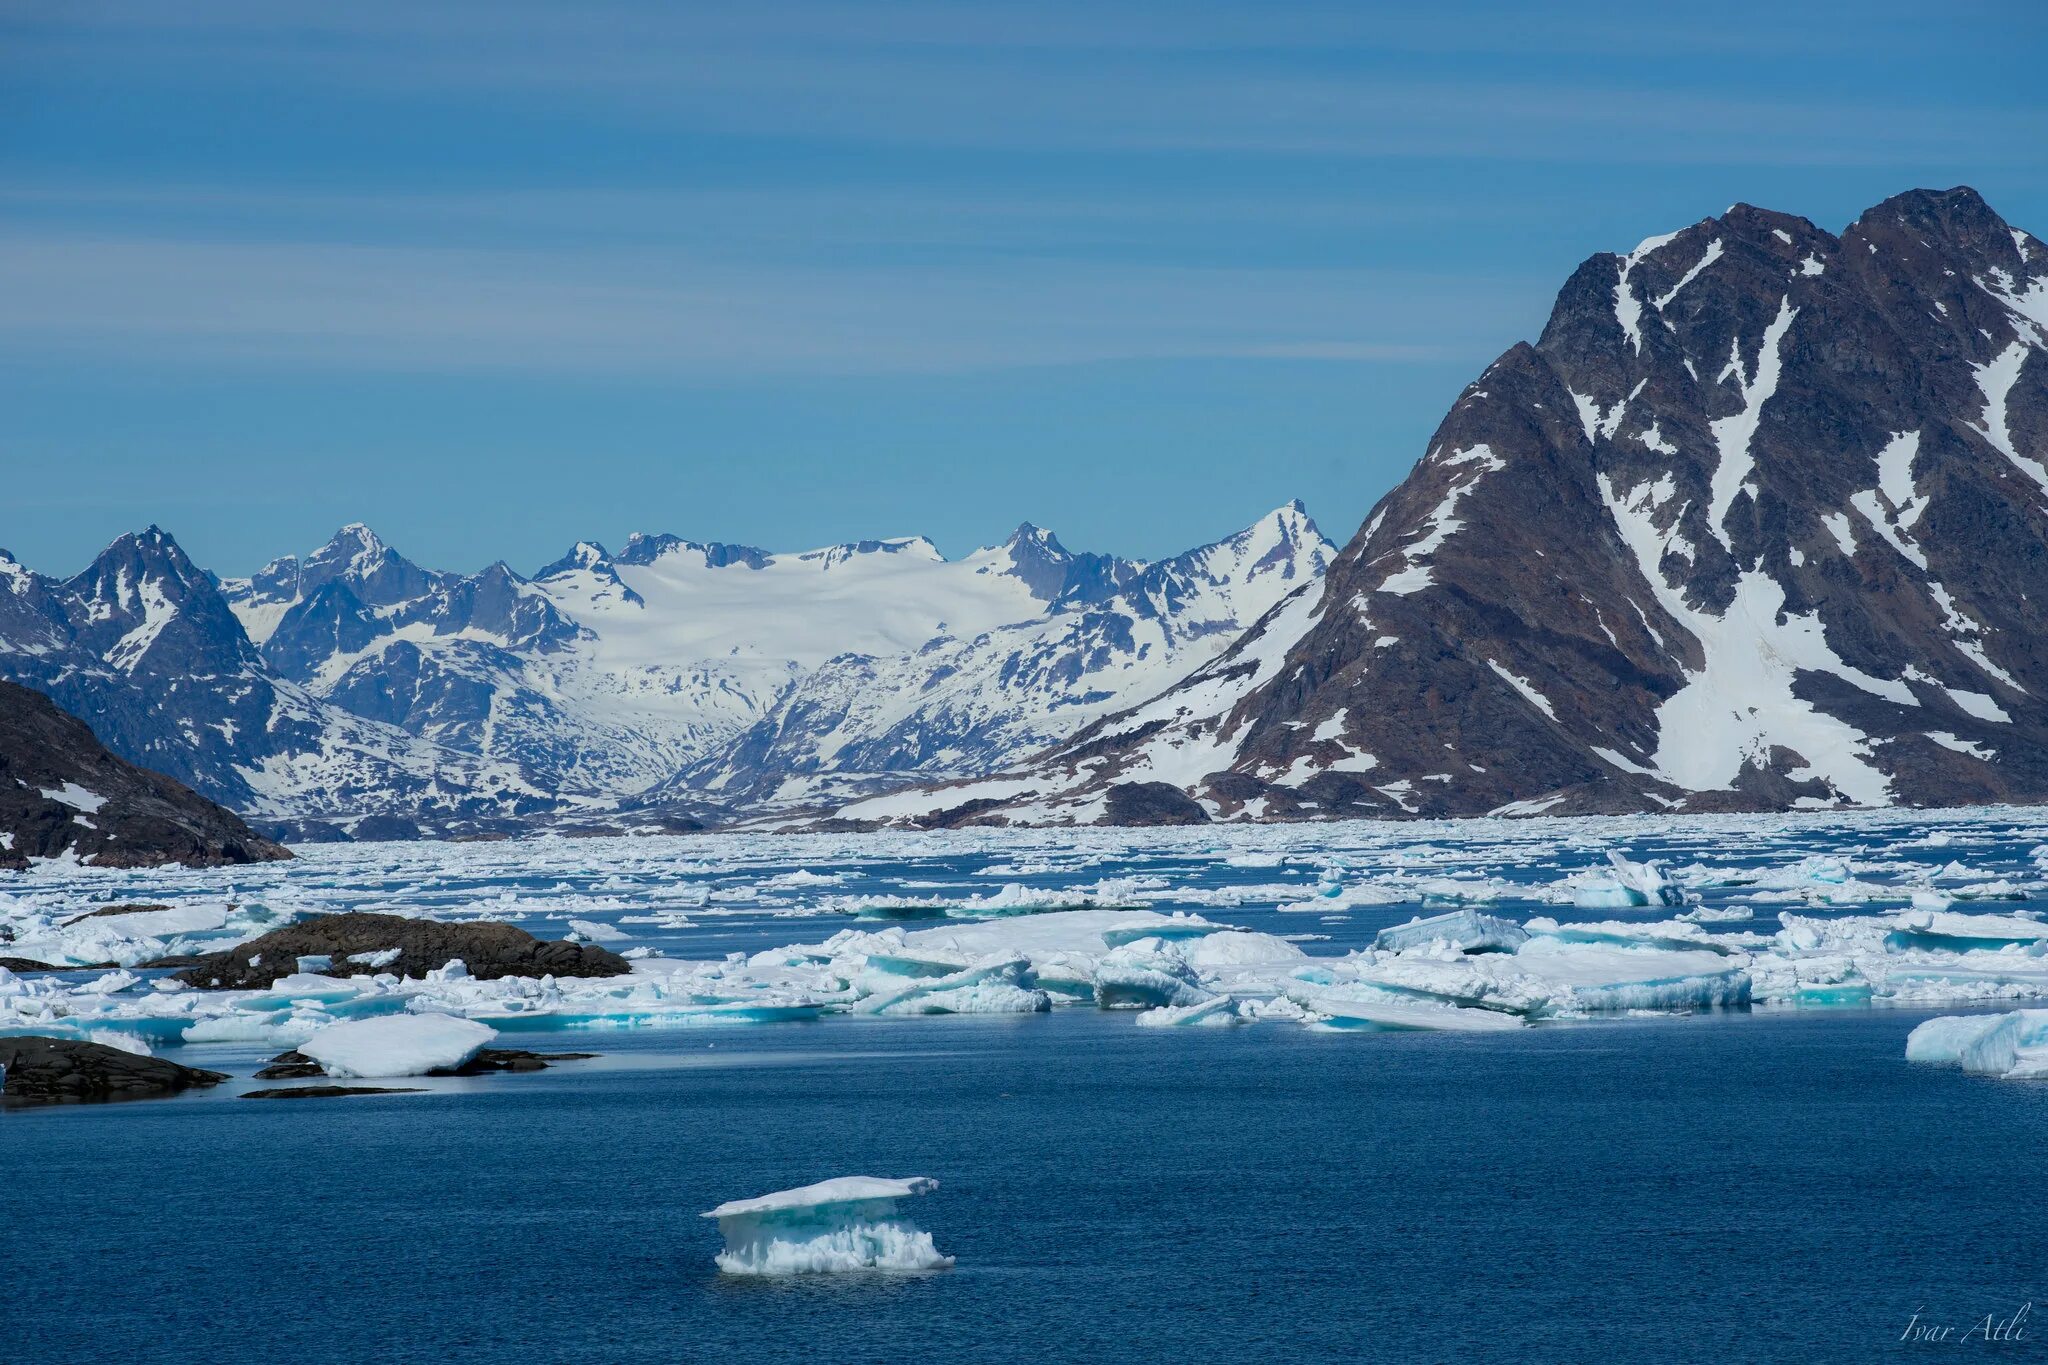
(15, 578)
(1946, 269)
(28, 613)
(379, 575)
(139, 557)
(1036, 557)
(1270, 557)
(589, 569)
(143, 602)
(496, 601)
(1286, 541)
(354, 549)
(642, 548)
(277, 581)
(585, 556)
(1958, 217)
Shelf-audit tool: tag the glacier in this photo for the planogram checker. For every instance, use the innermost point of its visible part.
(853, 1222)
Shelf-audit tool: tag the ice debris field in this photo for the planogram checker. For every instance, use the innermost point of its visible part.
(1473, 926)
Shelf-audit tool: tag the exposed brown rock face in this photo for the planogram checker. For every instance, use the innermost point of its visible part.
(60, 790)
(1760, 521)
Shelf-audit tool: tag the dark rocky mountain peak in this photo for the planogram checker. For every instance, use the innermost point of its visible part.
(143, 606)
(1759, 522)
(643, 549)
(376, 573)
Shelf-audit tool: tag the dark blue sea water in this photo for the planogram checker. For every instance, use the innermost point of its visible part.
(1735, 1187)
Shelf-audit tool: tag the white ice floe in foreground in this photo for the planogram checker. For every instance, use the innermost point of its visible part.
(851, 1223)
(397, 1045)
(2012, 1046)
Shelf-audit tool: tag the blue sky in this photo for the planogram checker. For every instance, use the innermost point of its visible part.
(496, 277)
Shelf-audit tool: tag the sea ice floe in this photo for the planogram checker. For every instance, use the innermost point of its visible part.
(1462, 929)
(1218, 1011)
(397, 1045)
(2013, 1046)
(1875, 921)
(854, 1222)
(1550, 977)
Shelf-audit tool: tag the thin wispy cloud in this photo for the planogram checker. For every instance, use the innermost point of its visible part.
(855, 241)
(415, 309)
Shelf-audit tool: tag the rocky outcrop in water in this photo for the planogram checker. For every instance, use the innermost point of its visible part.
(43, 1070)
(361, 943)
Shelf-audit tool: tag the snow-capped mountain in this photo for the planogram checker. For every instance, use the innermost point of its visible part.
(699, 678)
(1109, 631)
(143, 647)
(1760, 522)
(690, 672)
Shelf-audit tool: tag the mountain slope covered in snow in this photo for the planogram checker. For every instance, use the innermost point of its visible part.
(144, 647)
(704, 680)
(1760, 522)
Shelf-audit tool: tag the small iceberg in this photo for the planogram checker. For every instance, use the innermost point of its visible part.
(1465, 930)
(397, 1045)
(1626, 884)
(851, 1223)
(2012, 1046)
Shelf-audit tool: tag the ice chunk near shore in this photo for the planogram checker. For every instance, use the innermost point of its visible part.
(397, 1044)
(1220, 1012)
(1547, 977)
(2012, 1046)
(851, 1223)
(1376, 1011)
(1950, 931)
(1933, 957)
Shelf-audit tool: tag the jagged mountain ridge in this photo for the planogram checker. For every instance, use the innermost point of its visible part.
(1113, 630)
(655, 670)
(354, 681)
(143, 647)
(1758, 523)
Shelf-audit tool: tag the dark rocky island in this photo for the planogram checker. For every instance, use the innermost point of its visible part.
(43, 1070)
(488, 949)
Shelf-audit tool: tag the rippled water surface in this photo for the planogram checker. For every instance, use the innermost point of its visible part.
(1743, 1184)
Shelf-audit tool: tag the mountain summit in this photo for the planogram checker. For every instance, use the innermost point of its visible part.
(1759, 522)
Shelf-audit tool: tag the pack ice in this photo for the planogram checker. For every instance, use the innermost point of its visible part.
(854, 1222)
(1901, 920)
